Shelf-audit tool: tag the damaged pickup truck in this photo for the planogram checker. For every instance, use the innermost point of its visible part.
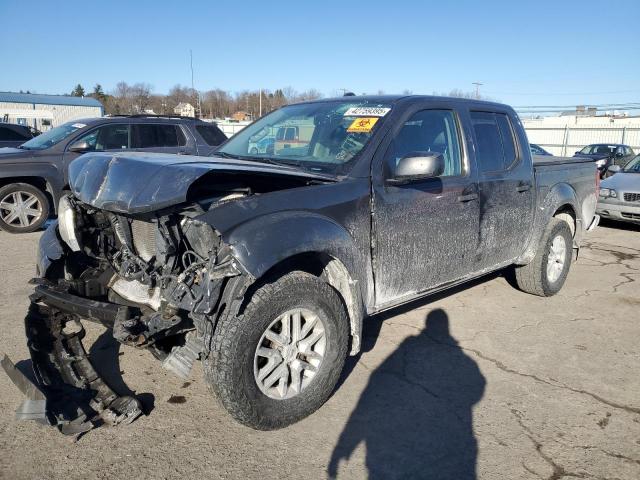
(263, 266)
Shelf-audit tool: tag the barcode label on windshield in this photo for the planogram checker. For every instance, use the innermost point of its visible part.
(366, 112)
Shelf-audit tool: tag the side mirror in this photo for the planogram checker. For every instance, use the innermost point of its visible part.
(577, 153)
(614, 169)
(79, 146)
(418, 165)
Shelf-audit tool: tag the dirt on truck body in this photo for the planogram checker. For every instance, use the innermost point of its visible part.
(263, 266)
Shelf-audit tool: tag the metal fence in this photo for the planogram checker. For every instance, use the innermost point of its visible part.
(566, 140)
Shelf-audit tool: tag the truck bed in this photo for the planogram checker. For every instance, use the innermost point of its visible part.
(539, 160)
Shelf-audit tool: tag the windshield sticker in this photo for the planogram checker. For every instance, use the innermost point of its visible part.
(362, 125)
(78, 125)
(367, 112)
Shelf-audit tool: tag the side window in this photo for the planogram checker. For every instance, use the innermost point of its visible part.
(430, 131)
(290, 134)
(150, 136)
(212, 135)
(495, 145)
(508, 144)
(108, 137)
(182, 140)
(167, 135)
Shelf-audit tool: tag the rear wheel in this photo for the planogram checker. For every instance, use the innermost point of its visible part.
(23, 208)
(280, 360)
(548, 270)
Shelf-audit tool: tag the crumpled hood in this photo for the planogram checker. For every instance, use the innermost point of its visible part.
(135, 182)
(626, 182)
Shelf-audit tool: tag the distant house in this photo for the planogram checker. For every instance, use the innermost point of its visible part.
(46, 111)
(185, 110)
(241, 116)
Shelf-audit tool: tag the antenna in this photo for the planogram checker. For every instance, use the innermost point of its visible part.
(477, 84)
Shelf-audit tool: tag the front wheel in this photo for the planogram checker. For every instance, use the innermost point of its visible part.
(548, 270)
(281, 359)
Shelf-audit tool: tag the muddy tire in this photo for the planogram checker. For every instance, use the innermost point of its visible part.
(548, 270)
(249, 351)
(23, 208)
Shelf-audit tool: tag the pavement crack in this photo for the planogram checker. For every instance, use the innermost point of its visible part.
(558, 471)
(506, 369)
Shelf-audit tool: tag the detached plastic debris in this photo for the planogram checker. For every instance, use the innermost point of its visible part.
(69, 393)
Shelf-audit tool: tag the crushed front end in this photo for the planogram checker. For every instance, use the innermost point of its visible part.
(158, 280)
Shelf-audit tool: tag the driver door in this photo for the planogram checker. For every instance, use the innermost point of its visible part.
(107, 138)
(425, 231)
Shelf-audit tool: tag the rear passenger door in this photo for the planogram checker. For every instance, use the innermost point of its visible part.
(159, 137)
(506, 188)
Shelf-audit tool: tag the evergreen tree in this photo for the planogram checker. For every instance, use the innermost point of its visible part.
(78, 91)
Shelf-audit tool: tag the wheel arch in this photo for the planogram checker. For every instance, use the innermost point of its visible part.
(561, 201)
(43, 177)
(274, 245)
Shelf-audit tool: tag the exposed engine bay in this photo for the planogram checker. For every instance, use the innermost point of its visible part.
(156, 280)
(167, 268)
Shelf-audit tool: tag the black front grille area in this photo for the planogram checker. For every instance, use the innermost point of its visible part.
(632, 197)
(634, 216)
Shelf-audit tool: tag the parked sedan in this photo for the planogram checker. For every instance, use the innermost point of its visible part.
(620, 194)
(607, 154)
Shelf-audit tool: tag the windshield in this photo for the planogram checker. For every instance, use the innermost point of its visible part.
(323, 136)
(598, 149)
(53, 136)
(633, 166)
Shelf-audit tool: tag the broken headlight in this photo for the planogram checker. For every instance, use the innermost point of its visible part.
(67, 223)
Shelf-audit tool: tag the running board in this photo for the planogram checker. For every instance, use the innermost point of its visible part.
(69, 393)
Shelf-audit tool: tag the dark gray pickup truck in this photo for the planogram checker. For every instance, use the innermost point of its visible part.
(264, 266)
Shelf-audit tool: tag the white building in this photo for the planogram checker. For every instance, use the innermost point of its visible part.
(46, 111)
(566, 134)
(185, 110)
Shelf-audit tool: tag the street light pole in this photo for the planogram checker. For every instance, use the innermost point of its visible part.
(477, 84)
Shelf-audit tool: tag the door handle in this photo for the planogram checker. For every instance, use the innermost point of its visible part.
(523, 187)
(468, 197)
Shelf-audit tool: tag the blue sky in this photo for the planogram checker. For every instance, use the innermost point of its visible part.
(525, 53)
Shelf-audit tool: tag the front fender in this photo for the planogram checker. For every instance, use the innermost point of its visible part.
(559, 195)
(267, 240)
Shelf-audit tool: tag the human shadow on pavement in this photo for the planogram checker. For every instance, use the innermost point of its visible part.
(415, 417)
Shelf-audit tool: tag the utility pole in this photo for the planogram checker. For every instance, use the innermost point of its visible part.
(477, 84)
(193, 89)
(260, 103)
